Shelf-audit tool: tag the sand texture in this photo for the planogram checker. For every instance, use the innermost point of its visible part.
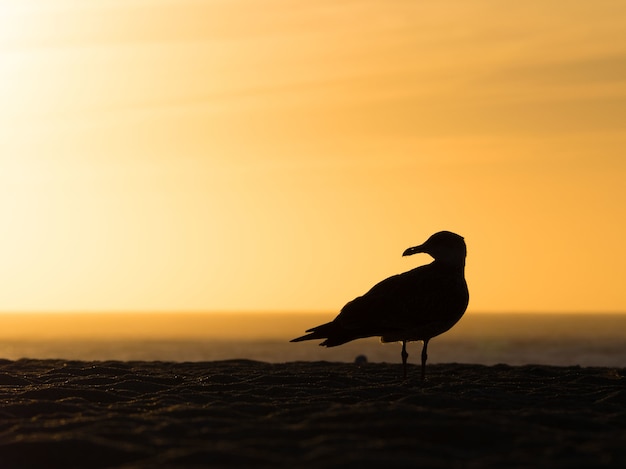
(243, 413)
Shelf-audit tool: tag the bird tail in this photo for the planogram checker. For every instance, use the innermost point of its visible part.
(319, 332)
(328, 331)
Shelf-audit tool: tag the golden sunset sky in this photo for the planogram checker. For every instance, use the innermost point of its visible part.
(280, 155)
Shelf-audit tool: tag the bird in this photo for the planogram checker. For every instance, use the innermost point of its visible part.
(413, 306)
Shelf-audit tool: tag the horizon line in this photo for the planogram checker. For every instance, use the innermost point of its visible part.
(275, 311)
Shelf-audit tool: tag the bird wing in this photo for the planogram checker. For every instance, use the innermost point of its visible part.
(397, 303)
(415, 305)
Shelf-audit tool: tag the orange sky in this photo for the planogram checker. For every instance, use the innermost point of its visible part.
(280, 155)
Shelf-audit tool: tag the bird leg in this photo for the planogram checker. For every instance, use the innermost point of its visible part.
(405, 355)
(424, 357)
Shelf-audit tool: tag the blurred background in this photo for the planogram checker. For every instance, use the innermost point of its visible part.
(236, 156)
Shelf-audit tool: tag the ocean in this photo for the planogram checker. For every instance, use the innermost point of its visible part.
(514, 339)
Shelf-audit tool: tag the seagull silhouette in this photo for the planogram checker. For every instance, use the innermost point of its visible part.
(416, 305)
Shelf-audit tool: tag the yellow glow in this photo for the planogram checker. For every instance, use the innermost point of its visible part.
(280, 156)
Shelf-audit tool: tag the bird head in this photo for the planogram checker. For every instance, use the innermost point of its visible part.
(443, 246)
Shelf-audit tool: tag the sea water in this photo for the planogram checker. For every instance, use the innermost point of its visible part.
(514, 339)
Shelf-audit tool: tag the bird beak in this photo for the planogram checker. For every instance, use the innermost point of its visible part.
(413, 250)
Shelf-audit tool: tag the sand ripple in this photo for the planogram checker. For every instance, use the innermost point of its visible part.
(243, 413)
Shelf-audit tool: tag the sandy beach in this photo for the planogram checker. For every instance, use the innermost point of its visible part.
(242, 413)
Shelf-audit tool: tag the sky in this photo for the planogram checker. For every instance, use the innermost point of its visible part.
(228, 155)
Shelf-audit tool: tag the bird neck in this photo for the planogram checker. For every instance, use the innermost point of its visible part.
(456, 265)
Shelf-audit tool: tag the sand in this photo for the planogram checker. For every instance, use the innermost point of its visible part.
(241, 413)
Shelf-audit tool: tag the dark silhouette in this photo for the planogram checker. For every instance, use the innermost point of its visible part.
(416, 305)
